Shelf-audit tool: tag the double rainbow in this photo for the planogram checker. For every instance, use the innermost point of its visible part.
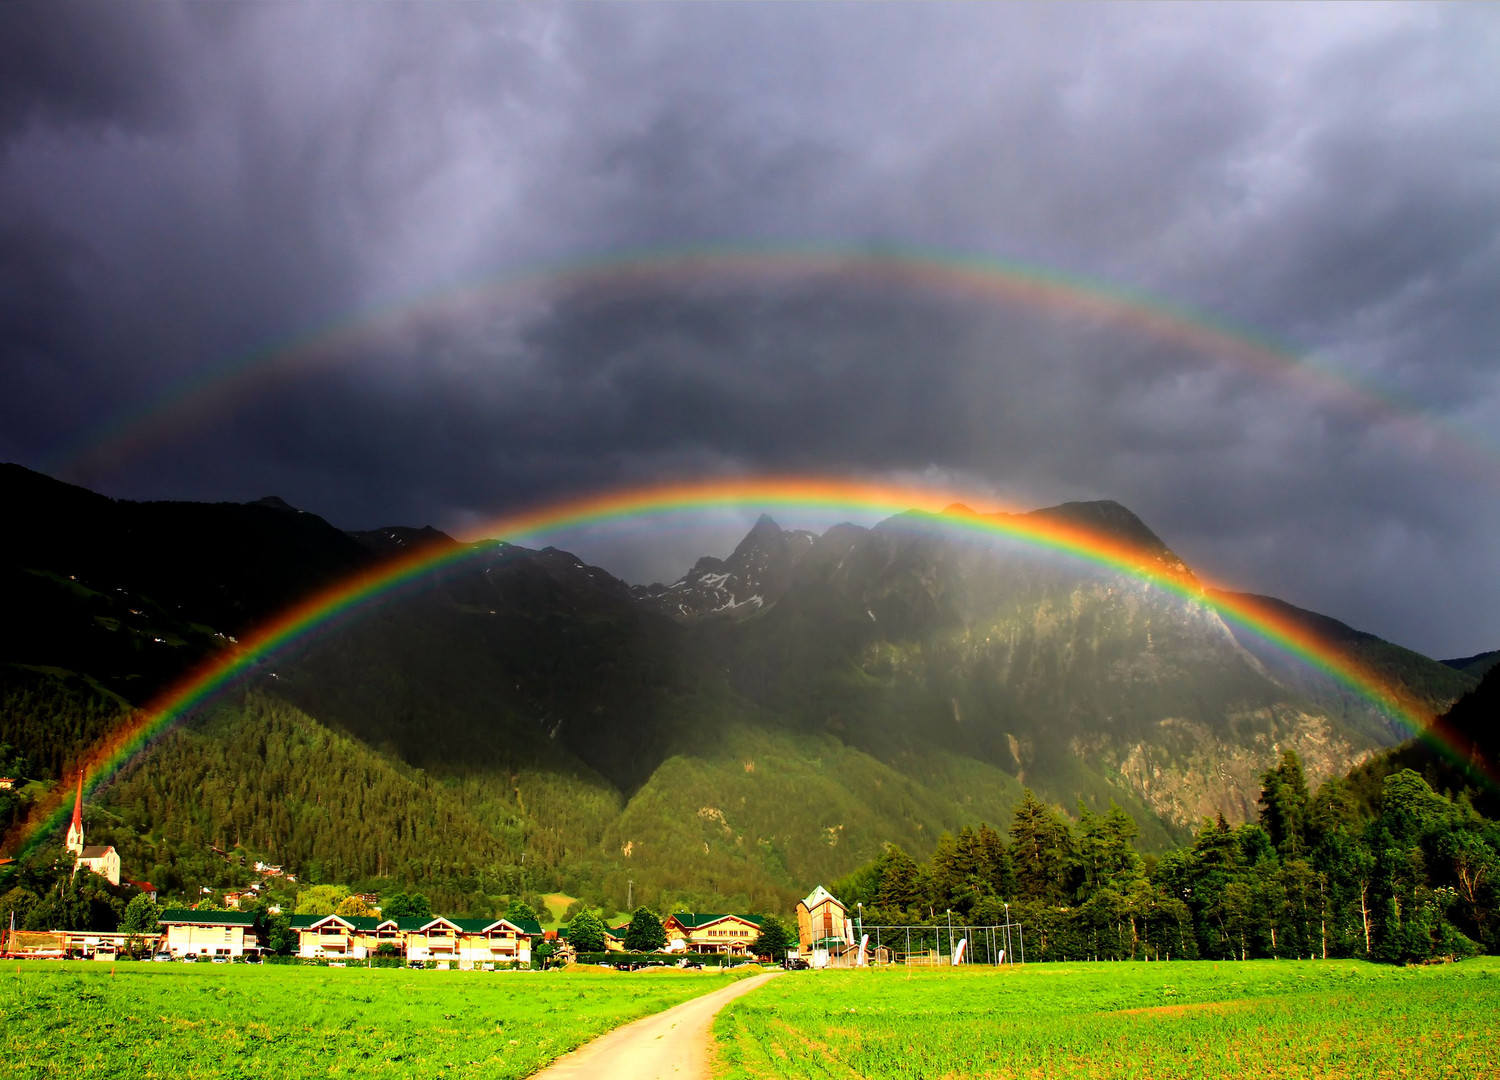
(827, 497)
(223, 386)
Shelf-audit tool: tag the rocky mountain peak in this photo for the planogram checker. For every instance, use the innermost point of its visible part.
(754, 576)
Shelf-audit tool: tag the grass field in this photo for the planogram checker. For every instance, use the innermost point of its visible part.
(70, 1019)
(1205, 1020)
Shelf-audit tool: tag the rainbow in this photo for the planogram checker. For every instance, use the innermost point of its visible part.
(223, 386)
(824, 496)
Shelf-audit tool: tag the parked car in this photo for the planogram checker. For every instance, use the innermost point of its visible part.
(796, 963)
(162, 958)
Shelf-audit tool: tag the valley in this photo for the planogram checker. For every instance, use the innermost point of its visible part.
(774, 717)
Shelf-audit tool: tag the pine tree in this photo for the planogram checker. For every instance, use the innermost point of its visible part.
(1041, 849)
(1284, 805)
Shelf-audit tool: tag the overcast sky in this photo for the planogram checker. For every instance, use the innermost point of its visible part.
(183, 186)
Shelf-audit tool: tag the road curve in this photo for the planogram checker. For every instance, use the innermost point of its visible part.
(671, 1044)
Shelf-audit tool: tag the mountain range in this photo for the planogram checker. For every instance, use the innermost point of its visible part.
(768, 720)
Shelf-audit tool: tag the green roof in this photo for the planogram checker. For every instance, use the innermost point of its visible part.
(363, 923)
(692, 921)
(209, 918)
(408, 923)
(470, 926)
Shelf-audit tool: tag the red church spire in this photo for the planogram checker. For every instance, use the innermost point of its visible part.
(75, 830)
(78, 804)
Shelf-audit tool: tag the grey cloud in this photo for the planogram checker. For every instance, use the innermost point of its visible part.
(180, 186)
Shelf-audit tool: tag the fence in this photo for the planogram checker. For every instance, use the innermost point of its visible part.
(1003, 943)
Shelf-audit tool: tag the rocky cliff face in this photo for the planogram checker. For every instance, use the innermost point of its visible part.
(1073, 679)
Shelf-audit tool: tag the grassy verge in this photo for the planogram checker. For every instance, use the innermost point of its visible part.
(142, 1020)
(1263, 1019)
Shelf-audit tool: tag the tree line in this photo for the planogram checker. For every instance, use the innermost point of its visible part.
(1402, 873)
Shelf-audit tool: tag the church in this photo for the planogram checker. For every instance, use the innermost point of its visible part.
(104, 861)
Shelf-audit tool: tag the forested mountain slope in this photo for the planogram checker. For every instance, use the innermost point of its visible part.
(889, 683)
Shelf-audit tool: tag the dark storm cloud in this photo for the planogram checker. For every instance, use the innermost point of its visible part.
(90, 66)
(181, 185)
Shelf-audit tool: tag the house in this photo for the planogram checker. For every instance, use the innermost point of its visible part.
(211, 933)
(232, 899)
(146, 887)
(823, 923)
(614, 937)
(339, 937)
(102, 860)
(471, 940)
(7, 783)
(711, 933)
(418, 938)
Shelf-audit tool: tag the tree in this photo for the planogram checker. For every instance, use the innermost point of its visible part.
(281, 939)
(353, 907)
(542, 953)
(900, 882)
(140, 921)
(1285, 804)
(406, 906)
(1107, 850)
(646, 933)
(520, 909)
(321, 899)
(586, 932)
(1041, 849)
(773, 939)
(18, 901)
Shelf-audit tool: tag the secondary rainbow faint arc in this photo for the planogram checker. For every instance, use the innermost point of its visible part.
(923, 268)
(821, 494)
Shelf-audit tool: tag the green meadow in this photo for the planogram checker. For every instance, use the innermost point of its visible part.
(70, 1019)
(1201, 1020)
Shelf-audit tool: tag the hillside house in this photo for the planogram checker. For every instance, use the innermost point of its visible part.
(711, 933)
(211, 933)
(104, 861)
(146, 887)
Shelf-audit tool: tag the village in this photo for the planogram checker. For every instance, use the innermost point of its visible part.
(826, 935)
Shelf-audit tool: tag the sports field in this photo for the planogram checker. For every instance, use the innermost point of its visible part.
(70, 1019)
(1204, 1020)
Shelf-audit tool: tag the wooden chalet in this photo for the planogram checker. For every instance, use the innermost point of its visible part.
(711, 933)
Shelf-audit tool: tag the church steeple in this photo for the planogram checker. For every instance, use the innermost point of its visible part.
(75, 830)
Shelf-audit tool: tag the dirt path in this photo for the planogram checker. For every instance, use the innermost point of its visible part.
(671, 1044)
